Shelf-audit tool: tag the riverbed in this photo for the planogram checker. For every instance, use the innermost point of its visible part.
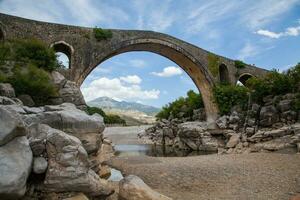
(236, 176)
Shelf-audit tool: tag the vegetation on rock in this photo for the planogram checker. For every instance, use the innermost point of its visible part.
(34, 82)
(182, 107)
(30, 62)
(227, 96)
(101, 34)
(239, 64)
(213, 64)
(108, 118)
(275, 83)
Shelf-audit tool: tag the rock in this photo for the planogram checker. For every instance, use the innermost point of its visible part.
(234, 118)
(104, 172)
(11, 125)
(27, 100)
(298, 147)
(79, 196)
(40, 165)
(268, 116)
(7, 90)
(275, 144)
(222, 122)
(6, 101)
(250, 131)
(285, 105)
(33, 110)
(134, 188)
(58, 79)
(68, 118)
(278, 132)
(71, 93)
(68, 165)
(233, 141)
(296, 197)
(15, 166)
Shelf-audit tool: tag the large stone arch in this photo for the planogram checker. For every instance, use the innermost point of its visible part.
(187, 62)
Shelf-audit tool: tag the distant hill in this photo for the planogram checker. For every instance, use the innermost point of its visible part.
(107, 103)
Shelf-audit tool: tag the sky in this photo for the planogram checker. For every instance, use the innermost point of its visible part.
(261, 32)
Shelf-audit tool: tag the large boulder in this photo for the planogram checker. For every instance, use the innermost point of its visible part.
(134, 188)
(68, 118)
(11, 125)
(26, 100)
(68, 165)
(71, 93)
(268, 116)
(7, 90)
(15, 167)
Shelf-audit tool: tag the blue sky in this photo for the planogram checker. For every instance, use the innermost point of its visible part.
(261, 32)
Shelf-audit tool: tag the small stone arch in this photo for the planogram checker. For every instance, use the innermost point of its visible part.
(223, 74)
(63, 47)
(244, 77)
(2, 34)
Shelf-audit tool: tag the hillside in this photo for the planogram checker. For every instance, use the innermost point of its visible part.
(109, 103)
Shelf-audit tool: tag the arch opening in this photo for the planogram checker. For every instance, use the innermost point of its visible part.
(64, 53)
(1, 35)
(243, 79)
(223, 74)
(188, 63)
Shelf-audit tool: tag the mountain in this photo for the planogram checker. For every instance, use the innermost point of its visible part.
(108, 103)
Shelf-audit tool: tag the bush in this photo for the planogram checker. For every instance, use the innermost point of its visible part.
(101, 34)
(114, 119)
(108, 118)
(239, 64)
(35, 52)
(5, 52)
(274, 83)
(181, 106)
(34, 82)
(30, 51)
(227, 96)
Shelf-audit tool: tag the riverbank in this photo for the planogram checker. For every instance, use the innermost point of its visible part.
(236, 176)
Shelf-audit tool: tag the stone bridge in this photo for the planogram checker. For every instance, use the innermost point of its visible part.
(85, 53)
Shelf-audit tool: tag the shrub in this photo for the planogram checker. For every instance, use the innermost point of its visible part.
(101, 34)
(274, 83)
(5, 52)
(213, 64)
(108, 118)
(227, 96)
(114, 119)
(35, 52)
(34, 82)
(182, 105)
(239, 64)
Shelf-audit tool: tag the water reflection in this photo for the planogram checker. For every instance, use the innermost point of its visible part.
(115, 175)
(125, 150)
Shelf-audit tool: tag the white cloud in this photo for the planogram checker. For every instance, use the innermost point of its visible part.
(137, 63)
(79, 12)
(168, 72)
(247, 51)
(268, 33)
(290, 31)
(154, 16)
(131, 79)
(114, 88)
(256, 14)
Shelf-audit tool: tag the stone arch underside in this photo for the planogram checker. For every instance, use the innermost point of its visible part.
(188, 63)
(63, 47)
(223, 74)
(244, 77)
